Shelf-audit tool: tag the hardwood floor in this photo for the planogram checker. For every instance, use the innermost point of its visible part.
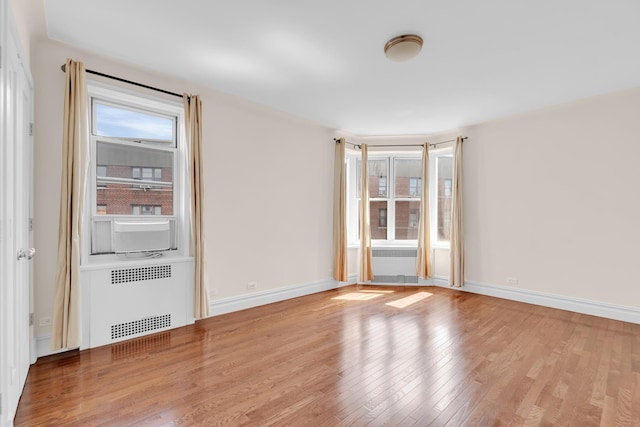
(346, 357)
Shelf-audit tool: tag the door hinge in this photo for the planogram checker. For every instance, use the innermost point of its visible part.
(30, 224)
(30, 319)
(31, 129)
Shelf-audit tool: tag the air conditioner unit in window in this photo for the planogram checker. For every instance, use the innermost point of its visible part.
(138, 236)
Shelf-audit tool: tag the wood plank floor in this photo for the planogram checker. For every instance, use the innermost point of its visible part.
(354, 356)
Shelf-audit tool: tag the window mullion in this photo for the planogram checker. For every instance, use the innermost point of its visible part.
(391, 208)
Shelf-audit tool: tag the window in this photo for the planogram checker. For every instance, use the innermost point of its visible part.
(382, 186)
(390, 196)
(407, 173)
(415, 187)
(395, 190)
(414, 218)
(147, 174)
(444, 170)
(137, 149)
(378, 192)
(447, 188)
(146, 210)
(101, 171)
(382, 218)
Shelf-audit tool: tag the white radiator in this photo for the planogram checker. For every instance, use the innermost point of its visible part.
(131, 300)
(394, 265)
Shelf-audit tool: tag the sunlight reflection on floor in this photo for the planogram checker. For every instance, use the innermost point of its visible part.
(411, 299)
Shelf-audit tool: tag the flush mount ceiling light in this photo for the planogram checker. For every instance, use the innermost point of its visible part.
(403, 48)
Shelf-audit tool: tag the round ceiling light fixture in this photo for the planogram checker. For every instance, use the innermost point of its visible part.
(403, 48)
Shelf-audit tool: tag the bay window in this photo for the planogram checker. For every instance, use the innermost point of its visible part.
(395, 190)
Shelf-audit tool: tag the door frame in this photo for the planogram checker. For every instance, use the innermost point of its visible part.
(16, 187)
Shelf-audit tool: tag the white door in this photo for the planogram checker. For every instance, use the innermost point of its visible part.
(17, 211)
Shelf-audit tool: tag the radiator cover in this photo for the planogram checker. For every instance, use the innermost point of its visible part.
(394, 265)
(135, 299)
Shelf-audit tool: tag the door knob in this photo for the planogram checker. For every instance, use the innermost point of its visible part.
(26, 254)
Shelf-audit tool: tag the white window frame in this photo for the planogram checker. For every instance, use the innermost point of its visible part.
(181, 198)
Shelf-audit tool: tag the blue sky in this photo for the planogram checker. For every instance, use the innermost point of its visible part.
(119, 122)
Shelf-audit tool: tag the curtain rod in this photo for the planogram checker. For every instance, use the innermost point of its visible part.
(97, 73)
(431, 144)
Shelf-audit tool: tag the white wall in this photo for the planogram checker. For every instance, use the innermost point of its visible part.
(552, 199)
(30, 22)
(268, 182)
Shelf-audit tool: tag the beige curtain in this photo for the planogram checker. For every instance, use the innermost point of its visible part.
(65, 327)
(193, 126)
(423, 259)
(366, 269)
(456, 268)
(340, 266)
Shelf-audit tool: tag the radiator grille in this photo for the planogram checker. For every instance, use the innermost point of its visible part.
(139, 326)
(394, 253)
(400, 278)
(127, 275)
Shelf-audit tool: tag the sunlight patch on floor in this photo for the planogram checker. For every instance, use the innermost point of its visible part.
(358, 296)
(411, 299)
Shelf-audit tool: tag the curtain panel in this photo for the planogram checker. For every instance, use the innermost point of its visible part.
(423, 257)
(193, 127)
(456, 268)
(340, 264)
(65, 326)
(366, 268)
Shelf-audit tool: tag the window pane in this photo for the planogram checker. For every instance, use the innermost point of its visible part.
(378, 219)
(378, 178)
(120, 122)
(407, 219)
(408, 177)
(444, 171)
(120, 189)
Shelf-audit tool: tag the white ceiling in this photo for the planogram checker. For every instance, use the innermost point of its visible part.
(324, 60)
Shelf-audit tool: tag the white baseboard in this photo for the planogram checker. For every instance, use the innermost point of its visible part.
(242, 302)
(43, 347)
(353, 279)
(578, 305)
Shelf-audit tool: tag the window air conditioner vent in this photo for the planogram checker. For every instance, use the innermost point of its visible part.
(137, 236)
(139, 326)
(128, 275)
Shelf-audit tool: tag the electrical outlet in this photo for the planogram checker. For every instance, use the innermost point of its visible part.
(44, 321)
(512, 280)
(252, 285)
